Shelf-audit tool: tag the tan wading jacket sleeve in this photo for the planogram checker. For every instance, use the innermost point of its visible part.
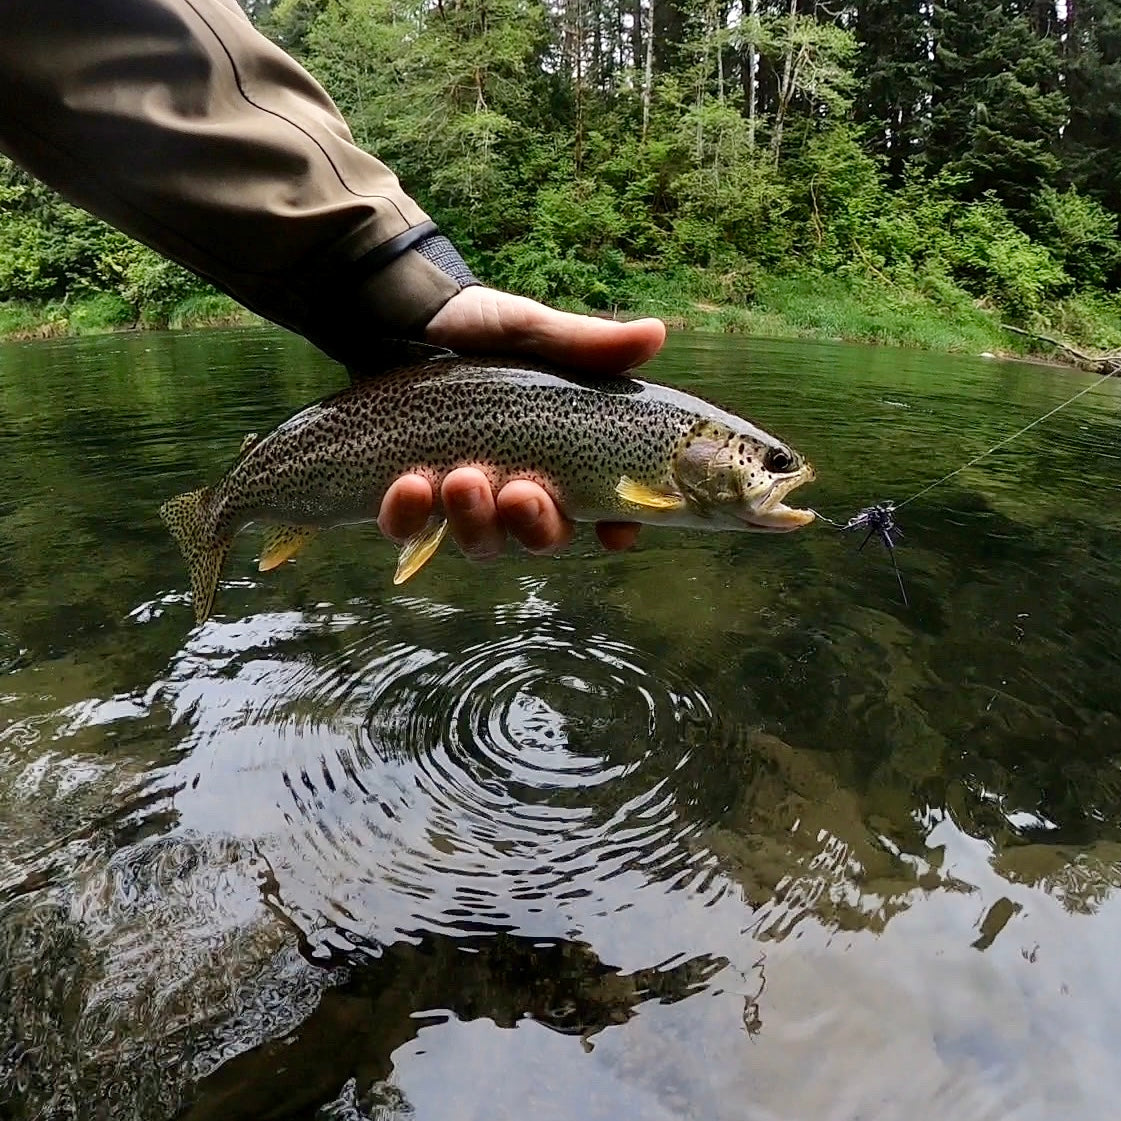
(178, 122)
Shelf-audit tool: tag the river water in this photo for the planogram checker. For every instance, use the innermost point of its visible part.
(716, 829)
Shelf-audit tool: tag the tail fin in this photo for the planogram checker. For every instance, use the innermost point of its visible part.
(186, 517)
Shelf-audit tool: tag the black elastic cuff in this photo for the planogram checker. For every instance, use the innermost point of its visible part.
(440, 252)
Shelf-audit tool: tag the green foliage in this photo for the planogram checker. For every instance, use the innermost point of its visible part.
(1093, 318)
(730, 206)
(839, 196)
(821, 57)
(1092, 76)
(289, 21)
(790, 166)
(19, 320)
(996, 260)
(104, 311)
(997, 110)
(208, 309)
(155, 285)
(868, 311)
(51, 251)
(47, 248)
(572, 252)
(1081, 234)
(893, 79)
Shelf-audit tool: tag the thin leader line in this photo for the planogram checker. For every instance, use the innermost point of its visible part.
(1007, 440)
(881, 518)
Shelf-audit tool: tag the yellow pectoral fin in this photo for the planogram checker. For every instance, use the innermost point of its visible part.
(641, 495)
(419, 549)
(281, 542)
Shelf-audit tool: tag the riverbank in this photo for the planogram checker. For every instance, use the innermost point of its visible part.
(807, 307)
(946, 320)
(102, 312)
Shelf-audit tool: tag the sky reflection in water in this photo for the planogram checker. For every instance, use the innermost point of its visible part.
(717, 829)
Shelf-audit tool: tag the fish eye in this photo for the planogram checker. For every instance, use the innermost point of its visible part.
(778, 461)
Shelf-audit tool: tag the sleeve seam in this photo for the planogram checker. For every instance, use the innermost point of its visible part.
(280, 116)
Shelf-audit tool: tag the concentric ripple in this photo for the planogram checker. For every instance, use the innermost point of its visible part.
(493, 771)
(535, 745)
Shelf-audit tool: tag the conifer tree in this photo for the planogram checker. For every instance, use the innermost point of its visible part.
(996, 112)
(1092, 138)
(894, 76)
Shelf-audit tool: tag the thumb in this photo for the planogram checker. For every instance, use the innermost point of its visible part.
(484, 319)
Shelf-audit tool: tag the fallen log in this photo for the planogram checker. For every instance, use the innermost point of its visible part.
(1108, 363)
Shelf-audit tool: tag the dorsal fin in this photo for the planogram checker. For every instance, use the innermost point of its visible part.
(388, 354)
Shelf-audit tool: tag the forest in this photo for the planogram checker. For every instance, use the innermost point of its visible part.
(889, 170)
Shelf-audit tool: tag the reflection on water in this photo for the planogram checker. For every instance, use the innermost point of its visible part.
(716, 829)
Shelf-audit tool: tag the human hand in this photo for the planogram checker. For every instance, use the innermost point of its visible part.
(483, 319)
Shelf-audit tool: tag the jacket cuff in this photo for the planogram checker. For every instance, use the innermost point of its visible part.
(441, 253)
(395, 302)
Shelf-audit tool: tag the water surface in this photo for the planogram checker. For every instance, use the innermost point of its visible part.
(717, 829)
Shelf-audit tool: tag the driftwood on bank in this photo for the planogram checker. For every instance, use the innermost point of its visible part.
(1108, 363)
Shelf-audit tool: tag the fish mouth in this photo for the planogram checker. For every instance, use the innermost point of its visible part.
(770, 515)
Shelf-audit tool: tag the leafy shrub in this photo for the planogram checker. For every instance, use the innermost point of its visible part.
(1081, 234)
(104, 311)
(995, 259)
(154, 285)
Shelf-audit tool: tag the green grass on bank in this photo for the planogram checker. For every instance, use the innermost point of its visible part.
(933, 315)
(101, 312)
(937, 316)
(824, 307)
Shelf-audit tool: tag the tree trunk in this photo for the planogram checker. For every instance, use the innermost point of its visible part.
(578, 153)
(648, 74)
(717, 27)
(752, 76)
(636, 35)
(786, 83)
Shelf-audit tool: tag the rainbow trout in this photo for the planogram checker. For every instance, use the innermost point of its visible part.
(605, 448)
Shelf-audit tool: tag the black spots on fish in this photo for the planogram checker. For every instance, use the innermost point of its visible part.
(342, 454)
(190, 520)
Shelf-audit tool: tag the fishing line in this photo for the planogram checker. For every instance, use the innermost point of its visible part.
(880, 518)
(1007, 440)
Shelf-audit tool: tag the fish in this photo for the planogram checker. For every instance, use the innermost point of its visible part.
(606, 448)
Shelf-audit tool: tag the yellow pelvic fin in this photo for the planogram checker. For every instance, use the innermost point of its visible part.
(641, 495)
(281, 542)
(247, 441)
(419, 549)
(187, 517)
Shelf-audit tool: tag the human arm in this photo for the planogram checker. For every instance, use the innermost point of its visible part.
(180, 124)
(177, 122)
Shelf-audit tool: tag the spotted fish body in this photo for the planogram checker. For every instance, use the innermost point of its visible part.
(605, 448)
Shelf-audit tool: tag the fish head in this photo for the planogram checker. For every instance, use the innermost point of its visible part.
(740, 476)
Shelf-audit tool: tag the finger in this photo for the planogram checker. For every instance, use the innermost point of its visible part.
(617, 536)
(483, 319)
(472, 515)
(406, 507)
(589, 343)
(532, 517)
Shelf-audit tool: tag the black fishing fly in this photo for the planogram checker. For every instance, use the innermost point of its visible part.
(879, 520)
